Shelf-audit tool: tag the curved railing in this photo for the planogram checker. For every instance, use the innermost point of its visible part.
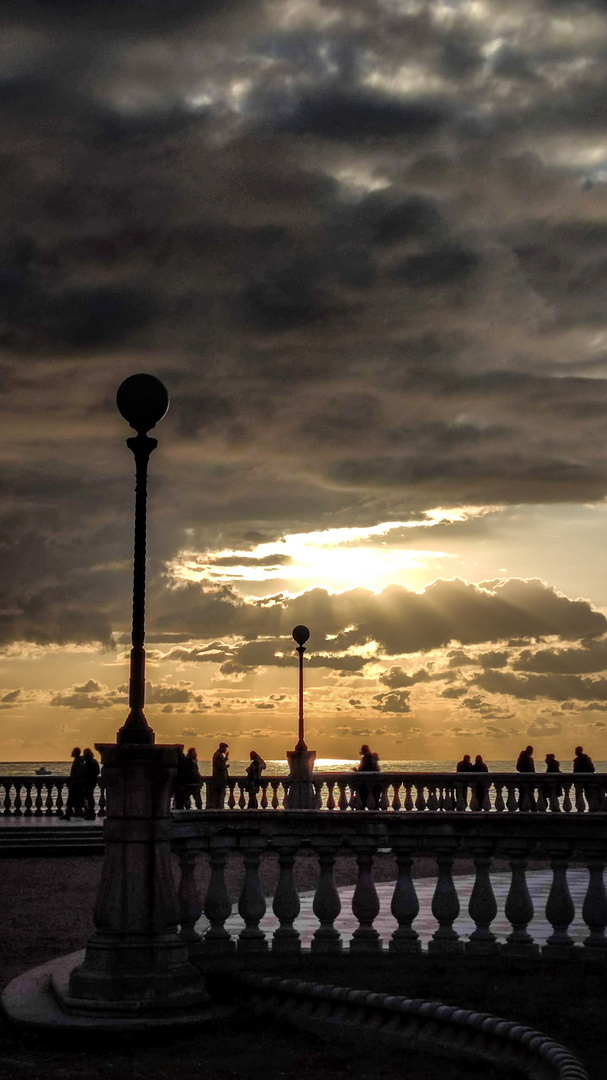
(559, 840)
(44, 796)
(40, 796)
(416, 792)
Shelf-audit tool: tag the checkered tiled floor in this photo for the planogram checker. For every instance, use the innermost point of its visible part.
(538, 881)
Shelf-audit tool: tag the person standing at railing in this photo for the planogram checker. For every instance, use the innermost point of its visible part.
(465, 765)
(367, 764)
(526, 764)
(480, 787)
(218, 783)
(92, 769)
(192, 779)
(552, 766)
(254, 771)
(582, 763)
(76, 786)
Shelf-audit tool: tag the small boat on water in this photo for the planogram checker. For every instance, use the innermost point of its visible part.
(43, 772)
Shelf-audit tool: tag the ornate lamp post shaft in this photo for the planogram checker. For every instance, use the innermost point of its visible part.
(142, 400)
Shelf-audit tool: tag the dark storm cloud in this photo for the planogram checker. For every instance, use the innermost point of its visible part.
(353, 247)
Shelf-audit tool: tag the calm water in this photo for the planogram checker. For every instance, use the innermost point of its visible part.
(280, 767)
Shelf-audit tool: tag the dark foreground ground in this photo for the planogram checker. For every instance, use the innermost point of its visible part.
(45, 911)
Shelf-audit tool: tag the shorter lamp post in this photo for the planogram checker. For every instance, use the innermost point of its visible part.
(302, 793)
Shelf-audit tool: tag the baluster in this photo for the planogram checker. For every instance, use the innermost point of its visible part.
(286, 905)
(251, 903)
(445, 906)
(356, 802)
(231, 799)
(318, 786)
(7, 797)
(190, 906)
(326, 906)
(542, 805)
(554, 800)
(441, 797)
(449, 797)
(28, 800)
(594, 908)
(432, 799)
(102, 801)
(48, 802)
(404, 906)
(264, 795)
(365, 904)
(17, 803)
(461, 796)
(396, 803)
(473, 800)
(519, 907)
(38, 801)
(593, 795)
(59, 798)
(511, 799)
(408, 798)
(242, 798)
(420, 802)
(499, 804)
(330, 799)
(580, 805)
(567, 798)
(482, 906)
(217, 905)
(342, 802)
(383, 803)
(275, 785)
(526, 801)
(560, 911)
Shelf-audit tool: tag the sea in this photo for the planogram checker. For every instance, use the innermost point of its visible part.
(280, 767)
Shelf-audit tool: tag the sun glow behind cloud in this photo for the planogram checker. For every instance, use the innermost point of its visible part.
(335, 559)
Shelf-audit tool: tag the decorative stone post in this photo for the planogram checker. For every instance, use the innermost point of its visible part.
(302, 793)
(136, 962)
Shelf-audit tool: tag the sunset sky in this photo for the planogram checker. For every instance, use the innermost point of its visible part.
(364, 245)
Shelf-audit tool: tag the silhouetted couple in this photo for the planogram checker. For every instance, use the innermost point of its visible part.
(84, 775)
(369, 794)
(480, 788)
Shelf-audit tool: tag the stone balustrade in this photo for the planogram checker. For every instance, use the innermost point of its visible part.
(415, 792)
(39, 796)
(558, 839)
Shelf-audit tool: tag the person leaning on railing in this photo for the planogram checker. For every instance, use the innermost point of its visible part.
(582, 763)
(526, 764)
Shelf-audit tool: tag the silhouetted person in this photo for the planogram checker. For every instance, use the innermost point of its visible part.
(367, 764)
(216, 792)
(377, 790)
(254, 770)
(526, 764)
(552, 766)
(76, 786)
(525, 761)
(479, 789)
(582, 763)
(180, 795)
(465, 765)
(92, 769)
(192, 779)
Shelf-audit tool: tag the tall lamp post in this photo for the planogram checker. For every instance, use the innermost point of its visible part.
(136, 964)
(143, 401)
(302, 793)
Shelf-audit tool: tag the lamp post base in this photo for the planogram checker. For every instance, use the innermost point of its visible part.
(302, 793)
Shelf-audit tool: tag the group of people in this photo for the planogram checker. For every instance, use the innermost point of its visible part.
(189, 780)
(84, 776)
